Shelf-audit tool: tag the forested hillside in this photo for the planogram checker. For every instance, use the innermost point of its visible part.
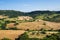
(53, 16)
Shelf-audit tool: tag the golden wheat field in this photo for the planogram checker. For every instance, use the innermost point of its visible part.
(12, 34)
(38, 25)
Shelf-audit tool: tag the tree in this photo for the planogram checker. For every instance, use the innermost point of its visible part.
(23, 37)
(58, 30)
(52, 37)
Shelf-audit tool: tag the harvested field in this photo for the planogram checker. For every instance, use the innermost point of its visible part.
(38, 25)
(53, 25)
(11, 34)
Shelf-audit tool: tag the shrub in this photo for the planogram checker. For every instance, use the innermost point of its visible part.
(38, 33)
(33, 33)
(27, 29)
(43, 32)
(5, 39)
(15, 28)
(52, 37)
(34, 39)
(42, 29)
(44, 23)
(59, 30)
(23, 37)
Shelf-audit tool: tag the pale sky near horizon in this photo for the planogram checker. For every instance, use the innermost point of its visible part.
(30, 5)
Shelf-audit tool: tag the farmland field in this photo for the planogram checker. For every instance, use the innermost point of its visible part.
(38, 25)
(35, 25)
(11, 34)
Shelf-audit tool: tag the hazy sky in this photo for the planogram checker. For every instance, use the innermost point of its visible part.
(29, 5)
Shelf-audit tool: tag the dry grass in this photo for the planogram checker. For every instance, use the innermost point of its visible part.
(53, 25)
(40, 35)
(1, 16)
(30, 25)
(11, 34)
(39, 25)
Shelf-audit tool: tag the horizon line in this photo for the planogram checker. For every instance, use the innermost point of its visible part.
(30, 11)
